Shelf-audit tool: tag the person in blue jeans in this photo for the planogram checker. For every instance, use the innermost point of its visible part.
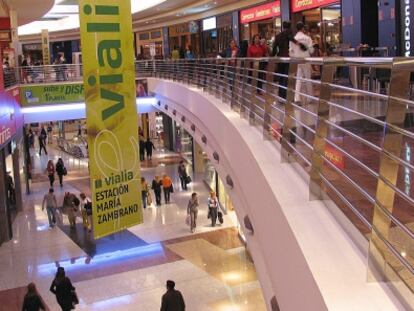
(51, 205)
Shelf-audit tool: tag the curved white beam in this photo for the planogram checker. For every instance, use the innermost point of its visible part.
(301, 252)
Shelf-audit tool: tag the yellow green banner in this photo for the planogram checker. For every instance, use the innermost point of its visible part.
(34, 95)
(112, 121)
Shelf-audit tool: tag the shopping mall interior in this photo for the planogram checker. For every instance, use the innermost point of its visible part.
(206, 155)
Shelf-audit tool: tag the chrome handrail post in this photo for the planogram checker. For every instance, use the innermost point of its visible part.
(379, 254)
(289, 111)
(323, 108)
(271, 68)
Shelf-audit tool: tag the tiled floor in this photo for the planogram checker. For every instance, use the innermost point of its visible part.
(128, 270)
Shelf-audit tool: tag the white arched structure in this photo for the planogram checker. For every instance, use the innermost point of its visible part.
(302, 254)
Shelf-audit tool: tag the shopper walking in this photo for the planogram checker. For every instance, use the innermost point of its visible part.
(182, 173)
(144, 192)
(42, 142)
(156, 186)
(50, 170)
(304, 70)
(213, 208)
(172, 300)
(141, 149)
(192, 210)
(167, 187)
(51, 205)
(86, 211)
(149, 146)
(61, 171)
(63, 289)
(32, 300)
(71, 206)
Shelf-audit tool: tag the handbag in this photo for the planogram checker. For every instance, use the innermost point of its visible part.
(149, 199)
(171, 188)
(75, 299)
(65, 171)
(220, 217)
(188, 220)
(188, 179)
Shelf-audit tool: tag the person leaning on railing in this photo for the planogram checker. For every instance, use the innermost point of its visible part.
(281, 49)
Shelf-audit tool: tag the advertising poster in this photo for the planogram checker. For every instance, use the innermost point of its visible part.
(111, 114)
(35, 95)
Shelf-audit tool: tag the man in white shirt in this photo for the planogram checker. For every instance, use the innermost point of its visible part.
(304, 70)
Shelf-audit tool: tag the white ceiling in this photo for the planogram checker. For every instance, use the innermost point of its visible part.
(29, 10)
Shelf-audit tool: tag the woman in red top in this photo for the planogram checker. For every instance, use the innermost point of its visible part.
(257, 50)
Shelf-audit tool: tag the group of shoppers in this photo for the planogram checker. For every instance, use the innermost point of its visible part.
(213, 214)
(158, 185)
(71, 206)
(67, 297)
(58, 169)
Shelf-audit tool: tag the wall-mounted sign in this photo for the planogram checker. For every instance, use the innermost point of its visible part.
(10, 118)
(407, 27)
(209, 23)
(179, 30)
(260, 12)
(33, 95)
(301, 5)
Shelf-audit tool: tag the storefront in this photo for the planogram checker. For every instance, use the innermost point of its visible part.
(323, 21)
(34, 51)
(149, 44)
(216, 34)
(184, 35)
(11, 149)
(263, 20)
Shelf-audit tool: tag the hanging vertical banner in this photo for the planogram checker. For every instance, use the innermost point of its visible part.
(112, 121)
(45, 47)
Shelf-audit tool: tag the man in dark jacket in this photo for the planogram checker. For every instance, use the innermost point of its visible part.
(149, 146)
(281, 49)
(172, 300)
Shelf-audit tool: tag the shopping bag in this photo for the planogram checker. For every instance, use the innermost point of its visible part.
(188, 220)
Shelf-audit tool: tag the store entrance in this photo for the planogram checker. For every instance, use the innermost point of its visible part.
(324, 27)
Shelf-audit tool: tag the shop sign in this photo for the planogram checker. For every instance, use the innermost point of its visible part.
(33, 95)
(260, 12)
(301, 5)
(407, 27)
(224, 21)
(178, 30)
(111, 114)
(10, 117)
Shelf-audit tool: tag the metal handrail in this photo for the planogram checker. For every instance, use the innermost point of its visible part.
(239, 80)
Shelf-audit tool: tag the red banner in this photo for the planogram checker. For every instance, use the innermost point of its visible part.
(301, 5)
(260, 12)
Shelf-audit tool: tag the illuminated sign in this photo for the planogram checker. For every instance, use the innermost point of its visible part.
(260, 12)
(209, 23)
(301, 5)
(407, 27)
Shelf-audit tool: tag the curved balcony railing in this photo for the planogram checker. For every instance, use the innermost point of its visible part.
(348, 121)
